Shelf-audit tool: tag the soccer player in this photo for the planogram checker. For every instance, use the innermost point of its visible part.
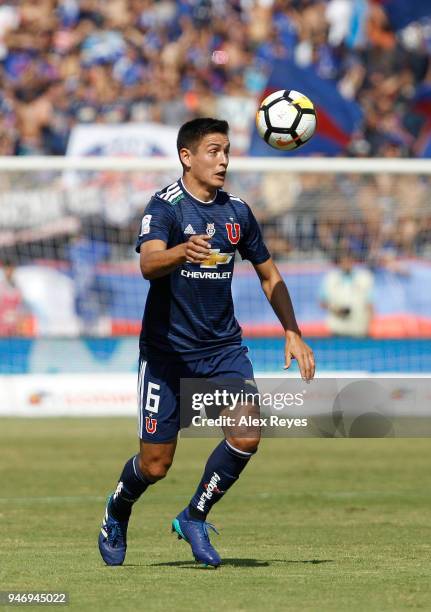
(189, 235)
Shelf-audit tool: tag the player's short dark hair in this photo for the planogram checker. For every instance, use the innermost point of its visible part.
(192, 132)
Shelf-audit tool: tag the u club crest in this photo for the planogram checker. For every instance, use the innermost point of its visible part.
(150, 425)
(233, 232)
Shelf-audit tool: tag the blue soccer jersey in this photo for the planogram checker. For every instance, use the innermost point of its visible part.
(189, 313)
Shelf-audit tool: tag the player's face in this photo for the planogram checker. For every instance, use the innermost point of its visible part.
(208, 162)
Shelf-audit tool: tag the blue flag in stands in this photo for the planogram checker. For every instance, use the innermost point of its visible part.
(402, 12)
(422, 106)
(422, 100)
(337, 118)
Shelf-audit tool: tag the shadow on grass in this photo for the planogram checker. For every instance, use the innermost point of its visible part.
(239, 563)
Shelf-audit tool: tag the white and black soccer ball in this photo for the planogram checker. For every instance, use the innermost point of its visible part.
(286, 119)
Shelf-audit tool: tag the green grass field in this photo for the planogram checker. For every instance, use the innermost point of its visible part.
(313, 524)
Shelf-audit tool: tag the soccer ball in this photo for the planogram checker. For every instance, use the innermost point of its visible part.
(286, 119)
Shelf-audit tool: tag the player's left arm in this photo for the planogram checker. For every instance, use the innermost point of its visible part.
(278, 296)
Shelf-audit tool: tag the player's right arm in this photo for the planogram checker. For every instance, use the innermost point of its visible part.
(157, 230)
(157, 260)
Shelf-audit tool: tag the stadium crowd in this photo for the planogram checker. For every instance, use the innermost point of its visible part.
(65, 62)
(378, 219)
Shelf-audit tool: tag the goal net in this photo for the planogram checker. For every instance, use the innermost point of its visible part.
(352, 239)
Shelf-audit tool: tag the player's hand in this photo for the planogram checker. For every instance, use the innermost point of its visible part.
(197, 248)
(295, 348)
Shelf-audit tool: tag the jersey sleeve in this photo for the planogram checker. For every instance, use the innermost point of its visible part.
(251, 246)
(156, 224)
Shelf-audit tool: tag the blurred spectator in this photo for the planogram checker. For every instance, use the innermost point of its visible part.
(346, 294)
(92, 297)
(13, 314)
(69, 61)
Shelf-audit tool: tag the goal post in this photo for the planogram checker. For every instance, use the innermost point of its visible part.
(303, 165)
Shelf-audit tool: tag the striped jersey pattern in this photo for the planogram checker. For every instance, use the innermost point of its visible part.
(189, 313)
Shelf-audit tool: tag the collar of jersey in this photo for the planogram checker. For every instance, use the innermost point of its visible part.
(194, 198)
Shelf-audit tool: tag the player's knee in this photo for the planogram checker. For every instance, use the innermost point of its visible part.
(245, 445)
(155, 469)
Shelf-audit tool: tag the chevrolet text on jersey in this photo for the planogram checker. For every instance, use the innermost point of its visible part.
(212, 275)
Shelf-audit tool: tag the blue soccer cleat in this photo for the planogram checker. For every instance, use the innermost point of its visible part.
(113, 539)
(196, 534)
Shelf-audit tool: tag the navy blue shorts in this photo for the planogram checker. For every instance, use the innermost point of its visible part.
(159, 388)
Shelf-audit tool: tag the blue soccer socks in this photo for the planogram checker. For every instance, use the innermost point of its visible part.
(113, 532)
(131, 485)
(222, 470)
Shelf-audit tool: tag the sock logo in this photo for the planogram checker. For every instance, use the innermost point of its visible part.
(214, 490)
(150, 425)
(118, 489)
(210, 489)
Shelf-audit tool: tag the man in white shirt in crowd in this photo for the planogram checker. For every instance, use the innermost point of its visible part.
(347, 295)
